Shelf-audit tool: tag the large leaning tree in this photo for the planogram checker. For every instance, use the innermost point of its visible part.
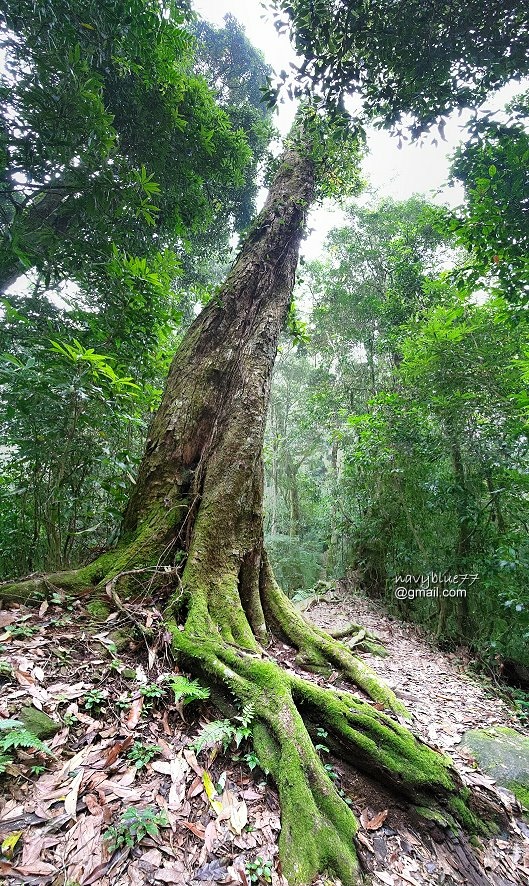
(195, 517)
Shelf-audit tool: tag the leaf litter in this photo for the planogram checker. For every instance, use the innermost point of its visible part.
(219, 815)
(53, 825)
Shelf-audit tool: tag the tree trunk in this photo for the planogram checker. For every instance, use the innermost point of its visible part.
(203, 461)
(463, 546)
(197, 509)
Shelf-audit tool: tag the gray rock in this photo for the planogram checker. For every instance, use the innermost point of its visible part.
(503, 754)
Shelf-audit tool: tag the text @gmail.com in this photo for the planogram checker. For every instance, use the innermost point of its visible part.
(403, 593)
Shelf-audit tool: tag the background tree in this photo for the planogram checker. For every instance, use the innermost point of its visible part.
(409, 63)
(86, 93)
(493, 222)
(421, 389)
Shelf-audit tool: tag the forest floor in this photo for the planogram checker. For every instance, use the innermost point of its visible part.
(221, 817)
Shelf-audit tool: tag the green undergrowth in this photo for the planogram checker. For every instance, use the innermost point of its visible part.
(521, 792)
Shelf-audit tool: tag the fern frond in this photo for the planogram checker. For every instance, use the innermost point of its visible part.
(214, 733)
(20, 737)
(188, 690)
(246, 716)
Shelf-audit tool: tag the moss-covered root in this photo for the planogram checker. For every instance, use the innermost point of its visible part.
(317, 827)
(360, 639)
(316, 649)
(143, 551)
(33, 591)
(375, 744)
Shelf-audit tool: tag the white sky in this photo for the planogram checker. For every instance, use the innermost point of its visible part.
(416, 169)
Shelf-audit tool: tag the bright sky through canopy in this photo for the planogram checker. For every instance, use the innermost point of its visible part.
(390, 172)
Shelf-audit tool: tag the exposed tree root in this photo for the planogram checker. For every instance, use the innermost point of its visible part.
(318, 827)
(212, 637)
(316, 649)
(359, 638)
(148, 549)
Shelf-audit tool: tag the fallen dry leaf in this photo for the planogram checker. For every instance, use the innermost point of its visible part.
(210, 835)
(133, 716)
(197, 829)
(373, 823)
(118, 748)
(7, 618)
(377, 821)
(239, 817)
(172, 873)
(70, 801)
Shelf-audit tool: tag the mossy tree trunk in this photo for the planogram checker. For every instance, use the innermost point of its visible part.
(197, 508)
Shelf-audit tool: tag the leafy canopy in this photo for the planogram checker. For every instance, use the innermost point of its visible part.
(406, 58)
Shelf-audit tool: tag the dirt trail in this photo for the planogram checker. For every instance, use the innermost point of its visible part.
(445, 700)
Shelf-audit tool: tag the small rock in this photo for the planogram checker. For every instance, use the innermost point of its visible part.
(38, 723)
(504, 755)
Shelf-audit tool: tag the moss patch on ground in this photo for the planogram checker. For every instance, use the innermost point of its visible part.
(503, 754)
(38, 723)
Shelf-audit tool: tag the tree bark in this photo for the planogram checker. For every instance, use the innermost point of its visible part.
(197, 509)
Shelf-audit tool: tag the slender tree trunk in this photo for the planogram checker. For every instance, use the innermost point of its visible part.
(291, 473)
(44, 211)
(463, 542)
(197, 507)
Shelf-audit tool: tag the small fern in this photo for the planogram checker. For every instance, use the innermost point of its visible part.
(244, 728)
(223, 732)
(17, 736)
(5, 760)
(218, 732)
(188, 690)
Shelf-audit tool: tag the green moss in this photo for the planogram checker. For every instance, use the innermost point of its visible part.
(376, 743)
(433, 815)
(121, 640)
(317, 646)
(98, 610)
(470, 822)
(521, 792)
(128, 674)
(317, 827)
(38, 723)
